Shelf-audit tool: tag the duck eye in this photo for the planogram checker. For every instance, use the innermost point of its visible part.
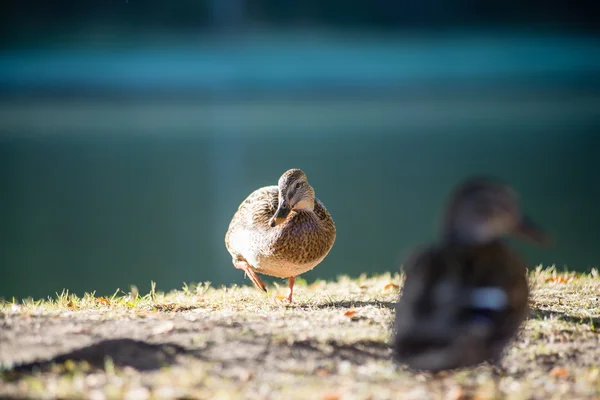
(284, 206)
(297, 186)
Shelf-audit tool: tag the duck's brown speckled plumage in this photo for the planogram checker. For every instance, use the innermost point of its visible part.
(445, 334)
(289, 249)
(302, 239)
(438, 324)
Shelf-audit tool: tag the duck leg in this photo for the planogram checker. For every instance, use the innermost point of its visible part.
(291, 281)
(244, 266)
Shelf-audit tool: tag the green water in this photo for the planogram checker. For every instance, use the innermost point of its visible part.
(100, 195)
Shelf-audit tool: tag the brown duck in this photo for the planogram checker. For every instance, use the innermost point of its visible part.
(281, 231)
(465, 298)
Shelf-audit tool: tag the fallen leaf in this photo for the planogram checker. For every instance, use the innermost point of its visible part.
(391, 285)
(557, 279)
(322, 373)
(71, 306)
(331, 396)
(103, 300)
(486, 392)
(245, 375)
(317, 285)
(456, 393)
(350, 313)
(559, 372)
(279, 296)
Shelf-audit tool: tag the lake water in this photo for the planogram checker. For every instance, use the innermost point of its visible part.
(102, 193)
(133, 199)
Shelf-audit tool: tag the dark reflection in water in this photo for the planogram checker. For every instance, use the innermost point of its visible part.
(132, 201)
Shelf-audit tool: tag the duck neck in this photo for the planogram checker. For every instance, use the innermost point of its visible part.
(305, 205)
(465, 238)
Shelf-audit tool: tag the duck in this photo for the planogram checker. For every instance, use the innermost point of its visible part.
(281, 230)
(466, 296)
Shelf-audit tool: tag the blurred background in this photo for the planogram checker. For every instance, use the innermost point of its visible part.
(131, 130)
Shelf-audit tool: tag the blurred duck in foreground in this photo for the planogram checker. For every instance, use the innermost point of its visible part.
(281, 231)
(465, 298)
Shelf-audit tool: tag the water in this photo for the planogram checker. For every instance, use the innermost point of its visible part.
(289, 63)
(99, 195)
(123, 165)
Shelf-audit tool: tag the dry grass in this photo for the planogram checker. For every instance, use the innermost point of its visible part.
(235, 342)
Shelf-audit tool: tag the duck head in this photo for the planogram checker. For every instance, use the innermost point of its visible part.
(295, 194)
(484, 209)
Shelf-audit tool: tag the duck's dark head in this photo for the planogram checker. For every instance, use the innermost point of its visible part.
(484, 209)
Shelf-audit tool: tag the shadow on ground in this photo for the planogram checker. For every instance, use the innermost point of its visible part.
(548, 314)
(355, 304)
(137, 354)
(241, 351)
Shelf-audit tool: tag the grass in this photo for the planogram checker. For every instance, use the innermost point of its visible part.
(236, 342)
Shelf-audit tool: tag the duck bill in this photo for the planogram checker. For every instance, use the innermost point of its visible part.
(280, 215)
(529, 230)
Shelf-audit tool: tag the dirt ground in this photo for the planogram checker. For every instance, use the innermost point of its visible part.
(236, 342)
